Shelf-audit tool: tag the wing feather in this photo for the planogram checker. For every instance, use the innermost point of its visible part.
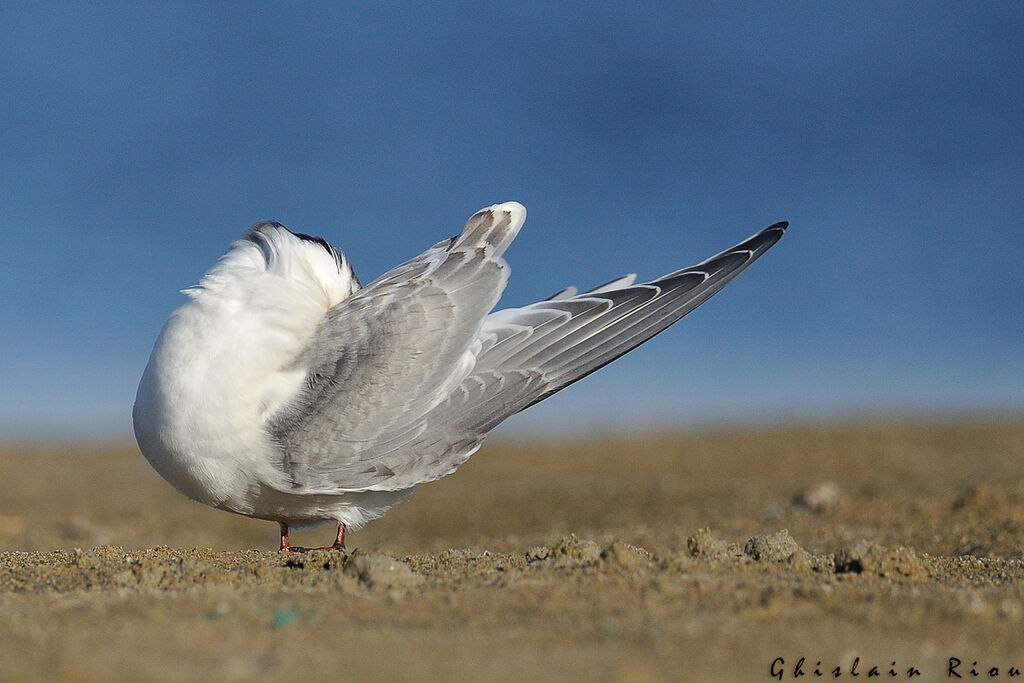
(414, 375)
(389, 354)
(570, 342)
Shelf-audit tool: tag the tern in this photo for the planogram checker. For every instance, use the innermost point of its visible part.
(284, 390)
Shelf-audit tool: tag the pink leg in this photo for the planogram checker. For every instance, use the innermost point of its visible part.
(285, 543)
(339, 540)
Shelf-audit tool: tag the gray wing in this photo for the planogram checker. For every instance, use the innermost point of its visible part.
(526, 354)
(389, 355)
(523, 355)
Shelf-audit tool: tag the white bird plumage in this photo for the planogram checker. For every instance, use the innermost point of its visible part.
(283, 390)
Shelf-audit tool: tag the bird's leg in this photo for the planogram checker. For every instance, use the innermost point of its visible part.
(339, 541)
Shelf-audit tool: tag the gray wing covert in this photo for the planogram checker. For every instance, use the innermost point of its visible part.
(388, 356)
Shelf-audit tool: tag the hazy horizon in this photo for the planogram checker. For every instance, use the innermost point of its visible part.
(140, 140)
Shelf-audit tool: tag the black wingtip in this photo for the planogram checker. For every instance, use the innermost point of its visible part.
(772, 234)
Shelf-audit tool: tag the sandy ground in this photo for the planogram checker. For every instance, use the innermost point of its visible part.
(654, 557)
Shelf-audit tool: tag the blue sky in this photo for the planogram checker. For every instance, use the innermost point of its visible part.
(139, 139)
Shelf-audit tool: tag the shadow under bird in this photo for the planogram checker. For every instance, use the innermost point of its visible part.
(284, 390)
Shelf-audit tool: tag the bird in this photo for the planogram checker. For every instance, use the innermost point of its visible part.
(284, 390)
